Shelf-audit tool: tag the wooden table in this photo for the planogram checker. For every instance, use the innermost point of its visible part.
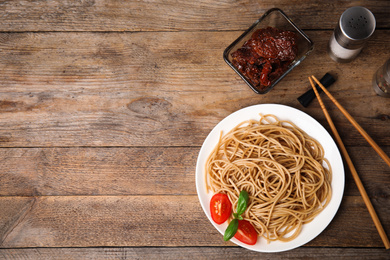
(104, 106)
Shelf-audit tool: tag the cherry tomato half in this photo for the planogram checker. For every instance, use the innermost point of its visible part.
(220, 208)
(246, 233)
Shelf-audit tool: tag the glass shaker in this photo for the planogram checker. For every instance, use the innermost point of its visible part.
(381, 80)
(355, 26)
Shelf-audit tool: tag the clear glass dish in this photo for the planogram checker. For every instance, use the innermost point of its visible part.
(278, 19)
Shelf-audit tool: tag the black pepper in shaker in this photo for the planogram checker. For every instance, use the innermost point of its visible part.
(307, 97)
(381, 80)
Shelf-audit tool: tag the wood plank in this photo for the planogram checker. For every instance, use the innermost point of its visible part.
(13, 212)
(98, 171)
(164, 221)
(190, 253)
(171, 15)
(156, 89)
(138, 171)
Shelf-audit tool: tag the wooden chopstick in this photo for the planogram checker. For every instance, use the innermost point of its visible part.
(355, 175)
(374, 145)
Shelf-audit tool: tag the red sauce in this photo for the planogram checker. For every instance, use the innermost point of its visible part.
(266, 55)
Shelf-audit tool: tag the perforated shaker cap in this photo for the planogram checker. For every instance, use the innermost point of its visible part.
(356, 25)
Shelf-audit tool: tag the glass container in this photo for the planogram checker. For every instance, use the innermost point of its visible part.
(381, 80)
(278, 19)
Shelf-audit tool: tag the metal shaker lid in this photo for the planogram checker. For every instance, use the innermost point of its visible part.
(356, 25)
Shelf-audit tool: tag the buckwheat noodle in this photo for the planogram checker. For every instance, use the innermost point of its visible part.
(282, 169)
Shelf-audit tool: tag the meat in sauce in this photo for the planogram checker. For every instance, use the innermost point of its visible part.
(266, 55)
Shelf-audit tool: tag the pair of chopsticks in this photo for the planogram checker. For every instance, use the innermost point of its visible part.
(355, 175)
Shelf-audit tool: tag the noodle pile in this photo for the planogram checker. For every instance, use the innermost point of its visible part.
(280, 167)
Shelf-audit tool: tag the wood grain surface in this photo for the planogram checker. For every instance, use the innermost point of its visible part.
(172, 15)
(155, 89)
(186, 253)
(136, 171)
(104, 106)
(85, 221)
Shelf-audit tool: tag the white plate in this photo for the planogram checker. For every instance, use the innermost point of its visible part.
(312, 128)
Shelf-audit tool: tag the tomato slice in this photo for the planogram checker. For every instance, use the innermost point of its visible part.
(246, 233)
(220, 208)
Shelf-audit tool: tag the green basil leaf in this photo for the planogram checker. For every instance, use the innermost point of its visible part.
(242, 202)
(231, 230)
